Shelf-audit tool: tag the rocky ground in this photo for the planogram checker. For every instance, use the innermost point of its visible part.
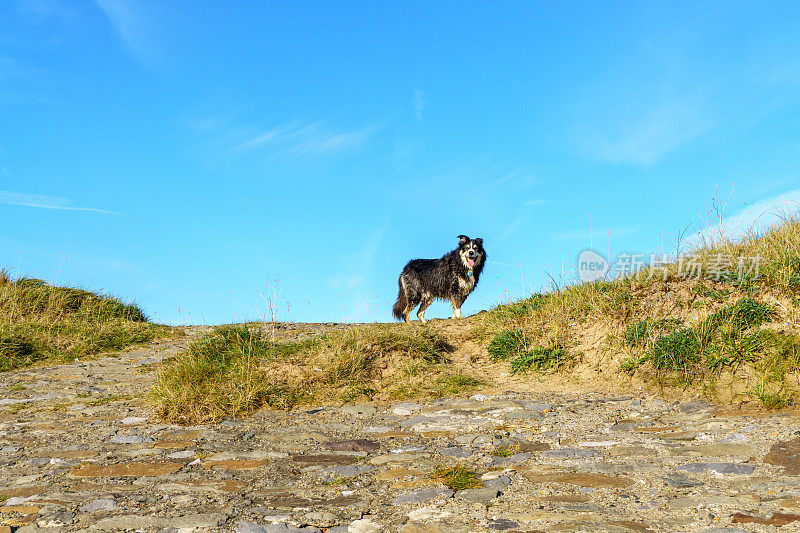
(80, 449)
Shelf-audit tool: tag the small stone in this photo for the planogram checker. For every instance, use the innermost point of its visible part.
(787, 455)
(480, 397)
(681, 482)
(103, 504)
(524, 415)
(397, 458)
(427, 514)
(365, 525)
(466, 438)
(696, 406)
(502, 524)
(376, 429)
(483, 496)
(8, 449)
(540, 407)
(243, 526)
(776, 519)
(409, 406)
(185, 454)
(130, 439)
(718, 468)
(131, 420)
(517, 458)
(321, 518)
(18, 500)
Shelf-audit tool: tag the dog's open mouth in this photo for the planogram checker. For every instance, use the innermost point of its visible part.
(470, 261)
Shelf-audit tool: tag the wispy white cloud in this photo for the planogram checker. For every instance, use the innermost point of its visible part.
(131, 21)
(516, 178)
(536, 202)
(583, 234)
(46, 202)
(642, 131)
(523, 217)
(356, 265)
(418, 103)
(313, 138)
(753, 218)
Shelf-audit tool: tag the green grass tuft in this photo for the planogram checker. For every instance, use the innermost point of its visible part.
(675, 351)
(506, 344)
(542, 358)
(457, 477)
(742, 315)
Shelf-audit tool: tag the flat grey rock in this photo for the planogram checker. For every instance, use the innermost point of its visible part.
(502, 524)
(524, 415)
(515, 459)
(376, 429)
(456, 452)
(133, 420)
(103, 504)
(571, 453)
(129, 439)
(423, 495)
(243, 526)
(359, 409)
(719, 468)
(129, 521)
(346, 471)
(483, 495)
(499, 483)
(185, 454)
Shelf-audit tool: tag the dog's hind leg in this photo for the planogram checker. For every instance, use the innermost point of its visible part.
(407, 311)
(427, 300)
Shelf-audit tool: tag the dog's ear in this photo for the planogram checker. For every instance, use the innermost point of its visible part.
(462, 239)
(478, 241)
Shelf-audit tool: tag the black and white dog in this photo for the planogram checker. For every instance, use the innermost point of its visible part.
(450, 278)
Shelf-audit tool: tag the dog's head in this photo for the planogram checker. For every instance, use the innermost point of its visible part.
(471, 251)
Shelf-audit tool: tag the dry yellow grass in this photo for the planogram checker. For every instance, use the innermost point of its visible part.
(236, 369)
(44, 323)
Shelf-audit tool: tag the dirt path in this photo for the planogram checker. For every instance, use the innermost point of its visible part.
(81, 450)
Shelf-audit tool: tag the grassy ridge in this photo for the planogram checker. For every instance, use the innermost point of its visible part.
(726, 323)
(724, 328)
(235, 369)
(44, 323)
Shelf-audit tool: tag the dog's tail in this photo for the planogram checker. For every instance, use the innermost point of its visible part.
(401, 303)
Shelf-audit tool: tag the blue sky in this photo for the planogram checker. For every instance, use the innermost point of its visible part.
(205, 158)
